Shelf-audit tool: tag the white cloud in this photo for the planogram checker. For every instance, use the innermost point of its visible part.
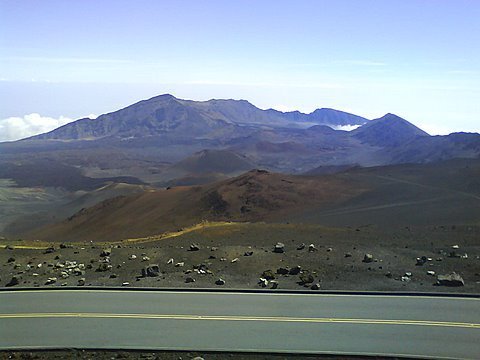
(15, 128)
(345, 127)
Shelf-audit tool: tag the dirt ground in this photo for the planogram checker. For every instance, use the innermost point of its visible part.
(241, 254)
(164, 355)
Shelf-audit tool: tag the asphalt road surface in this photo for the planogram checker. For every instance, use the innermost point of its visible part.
(436, 327)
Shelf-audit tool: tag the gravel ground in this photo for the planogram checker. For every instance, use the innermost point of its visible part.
(242, 254)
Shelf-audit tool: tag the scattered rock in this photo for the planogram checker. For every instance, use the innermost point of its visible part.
(408, 274)
(279, 248)
(248, 253)
(312, 248)
(452, 279)
(180, 264)
(132, 257)
(13, 281)
(10, 260)
(282, 271)
(213, 248)
(51, 280)
(455, 247)
(49, 250)
(189, 280)
(388, 274)
(405, 279)
(301, 246)
(113, 276)
(368, 258)
(295, 270)
(81, 282)
(263, 282)
(274, 284)
(194, 247)
(145, 258)
(151, 270)
(170, 261)
(234, 260)
(306, 278)
(106, 252)
(220, 282)
(347, 255)
(454, 254)
(268, 274)
(329, 249)
(421, 261)
(431, 273)
(126, 283)
(315, 286)
(103, 267)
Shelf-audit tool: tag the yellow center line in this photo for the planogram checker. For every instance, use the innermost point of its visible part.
(243, 318)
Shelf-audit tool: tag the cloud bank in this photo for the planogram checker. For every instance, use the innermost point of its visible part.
(15, 128)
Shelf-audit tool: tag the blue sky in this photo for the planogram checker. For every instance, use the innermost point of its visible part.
(418, 59)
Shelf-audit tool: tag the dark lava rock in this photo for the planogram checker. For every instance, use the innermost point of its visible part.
(452, 279)
(106, 252)
(421, 261)
(49, 250)
(315, 286)
(189, 280)
(306, 278)
(103, 267)
(194, 247)
(368, 258)
(279, 248)
(13, 281)
(151, 270)
(10, 260)
(268, 274)
(282, 271)
(295, 270)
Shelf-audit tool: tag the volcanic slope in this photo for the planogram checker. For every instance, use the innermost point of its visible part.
(390, 196)
(442, 193)
(254, 196)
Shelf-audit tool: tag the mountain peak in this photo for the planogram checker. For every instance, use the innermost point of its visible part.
(389, 130)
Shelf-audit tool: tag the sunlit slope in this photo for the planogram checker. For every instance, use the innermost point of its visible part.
(255, 196)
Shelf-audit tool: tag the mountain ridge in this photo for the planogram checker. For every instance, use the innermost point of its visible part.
(164, 113)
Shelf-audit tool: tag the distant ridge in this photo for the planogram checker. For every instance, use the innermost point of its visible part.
(166, 114)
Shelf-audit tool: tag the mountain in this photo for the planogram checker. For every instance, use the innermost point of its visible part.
(166, 114)
(388, 131)
(166, 141)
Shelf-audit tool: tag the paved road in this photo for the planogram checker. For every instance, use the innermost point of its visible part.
(437, 327)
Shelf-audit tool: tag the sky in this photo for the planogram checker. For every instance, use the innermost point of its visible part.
(63, 60)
